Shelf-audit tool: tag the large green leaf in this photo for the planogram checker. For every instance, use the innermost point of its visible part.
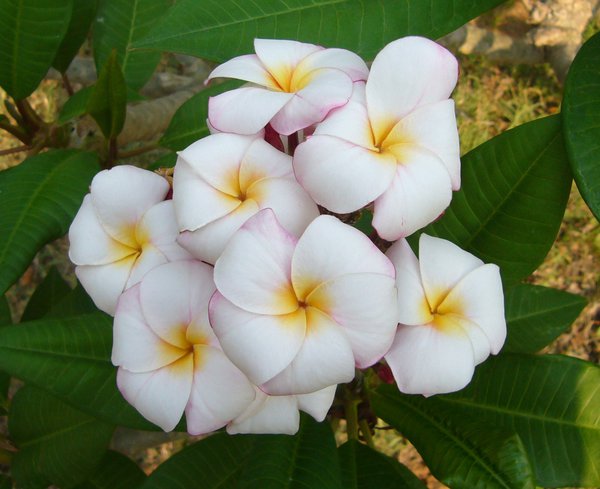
(537, 315)
(108, 98)
(458, 450)
(221, 29)
(57, 444)
(306, 460)
(30, 33)
(82, 15)
(5, 319)
(119, 23)
(552, 402)
(39, 198)
(213, 463)
(514, 192)
(115, 471)
(49, 293)
(364, 468)
(70, 358)
(581, 121)
(189, 122)
(76, 303)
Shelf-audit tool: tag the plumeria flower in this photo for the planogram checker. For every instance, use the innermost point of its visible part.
(281, 414)
(294, 85)
(223, 180)
(124, 228)
(451, 315)
(297, 315)
(395, 142)
(169, 359)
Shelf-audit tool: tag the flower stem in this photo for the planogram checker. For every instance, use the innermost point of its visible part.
(351, 411)
(366, 432)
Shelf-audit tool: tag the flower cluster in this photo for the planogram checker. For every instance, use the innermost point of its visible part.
(237, 300)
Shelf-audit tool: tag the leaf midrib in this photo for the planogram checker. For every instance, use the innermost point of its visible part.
(54, 434)
(575, 303)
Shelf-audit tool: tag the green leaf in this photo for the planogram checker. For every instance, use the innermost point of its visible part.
(76, 303)
(108, 98)
(364, 468)
(57, 444)
(189, 122)
(215, 462)
(221, 29)
(459, 451)
(119, 23)
(537, 315)
(364, 222)
(70, 358)
(30, 33)
(51, 291)
(5, 482)
(581, 121)
(306, 460)
(166, 161)
(514, 192)
(551, 402)
(5, 319)
(115, 471)
(39, 198)
(82, 15)
(5, 315)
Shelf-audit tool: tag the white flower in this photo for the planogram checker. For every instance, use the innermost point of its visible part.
(123, 229)
(169, 359)
(224, 179)
(451, 315)
(295, 85)
(297, 315)
(395, 142)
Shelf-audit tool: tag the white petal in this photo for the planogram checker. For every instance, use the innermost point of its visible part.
(220, 392)
(261, 160)
(122, 195)
(104, 283)
(342, 59)
(268, 415)
(294, 208)
(260, 346)
(427, 360)
(342, 176)
(317, 403)
(479, 297)
(443, 265)
(254, 270)
(135, 346)
(325, 358)
(172, 294)
(413, 307)
(407, 73)
(150, 258)
(247, 67)
(161, 395)
(158, 225)
(420, 191)
(245, 110)
(433, 126)
(196, 202)
(208, 242)
(366, 306)
(89, 243)
(328, 249)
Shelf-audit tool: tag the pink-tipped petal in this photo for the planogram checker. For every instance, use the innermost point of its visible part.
(341, 59)
(325, 358)
(261, 346)
(105, 283)
(247, 67)
(317, 403)
(413, 307)
(419, 192)
(268, 415)
(342, 176)
(329, 249)
(89, 243)
(245, 110)
(122, 195)
(443, 265)
(254, 270)
(365, 306)
(135, 346)
(407, 73)
(161, 395)
(426, 360)
(220, 392)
